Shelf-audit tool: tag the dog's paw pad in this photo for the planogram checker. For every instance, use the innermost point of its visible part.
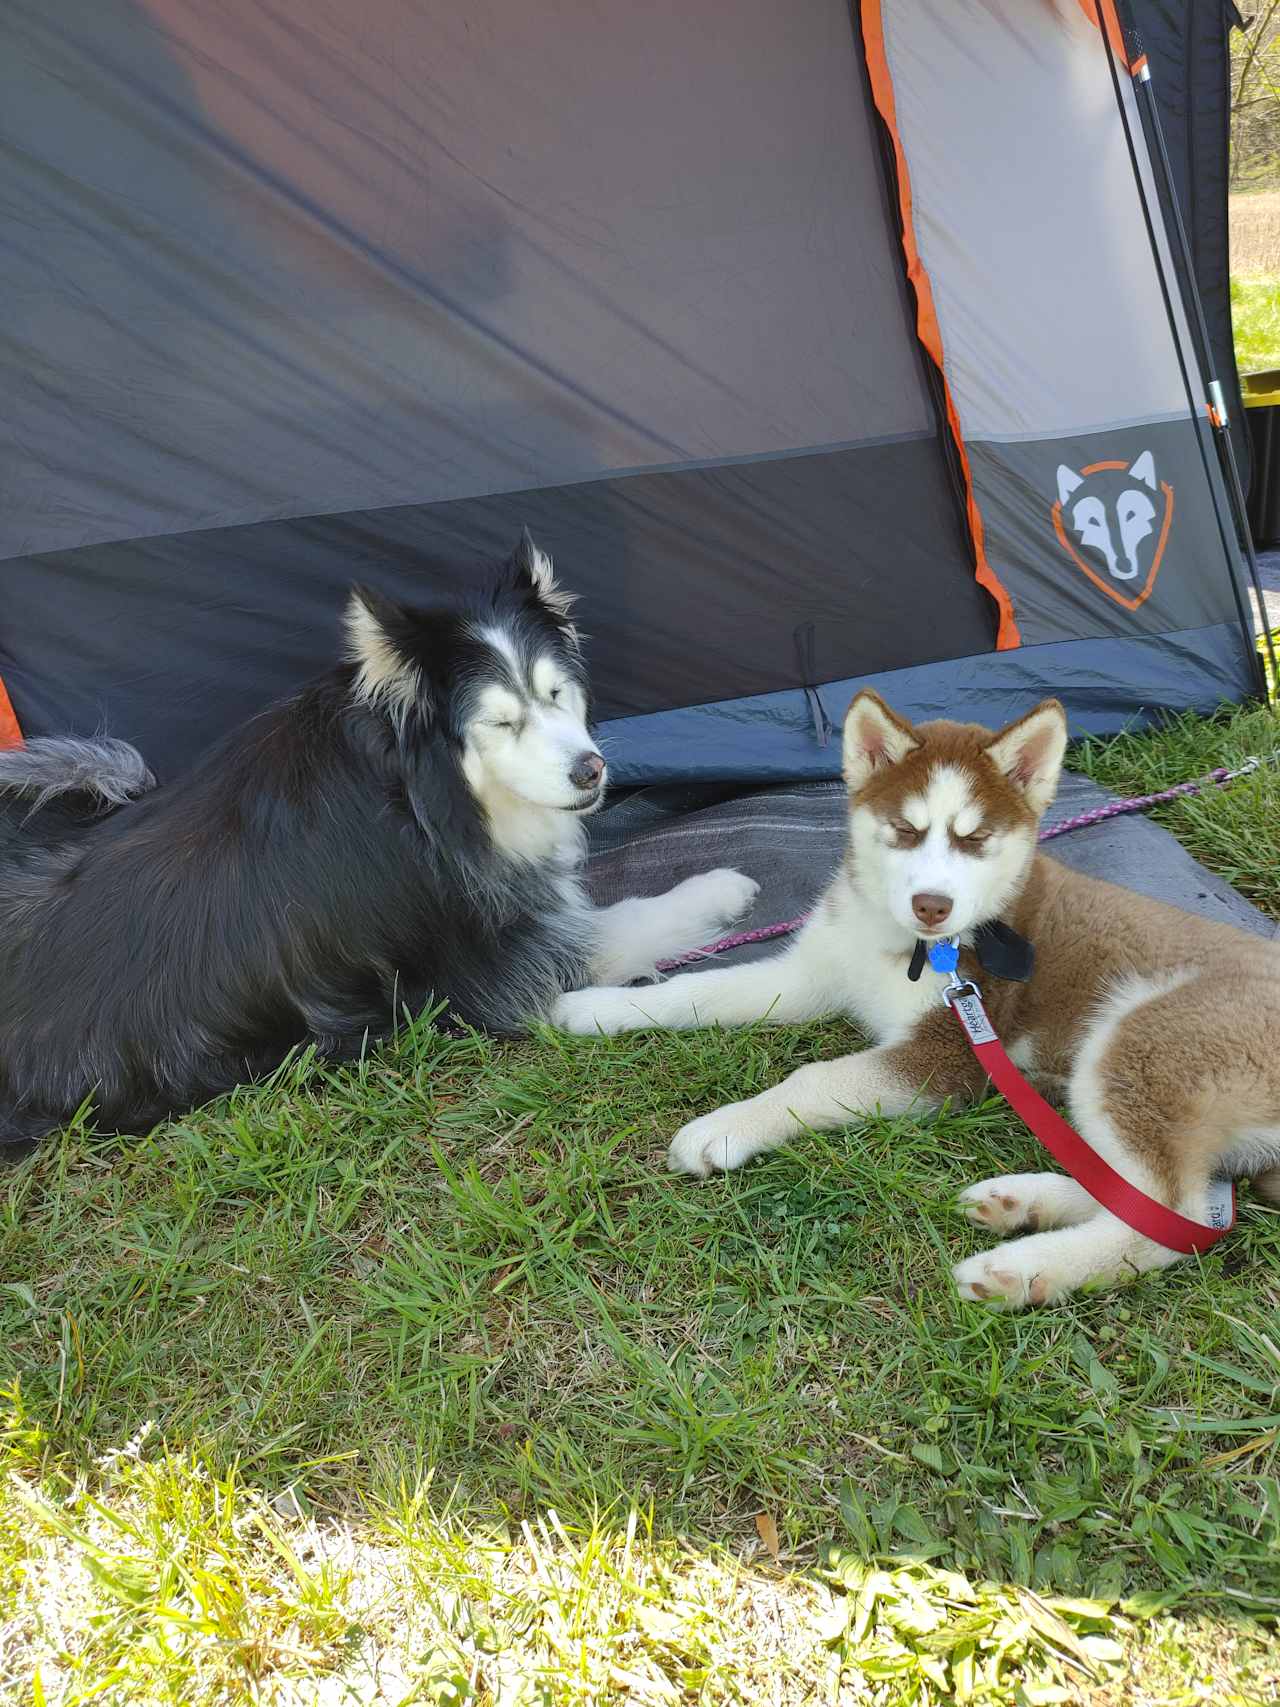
(983, 1281)
(1007, 1280)
(994, 1205)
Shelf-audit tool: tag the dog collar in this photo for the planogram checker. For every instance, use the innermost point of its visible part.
(1000, 951)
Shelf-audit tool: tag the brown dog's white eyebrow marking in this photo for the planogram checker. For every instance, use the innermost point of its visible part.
(947, 798)
(967, 821)
(915, 812)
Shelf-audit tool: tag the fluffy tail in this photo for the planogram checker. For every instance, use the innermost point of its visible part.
(108, 772)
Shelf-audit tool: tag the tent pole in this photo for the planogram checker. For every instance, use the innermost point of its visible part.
(1214, 400)
(1217, 403)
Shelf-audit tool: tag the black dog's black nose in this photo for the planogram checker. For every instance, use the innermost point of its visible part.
(587, 770)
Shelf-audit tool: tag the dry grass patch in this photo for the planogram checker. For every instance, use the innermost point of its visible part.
(1255, 233)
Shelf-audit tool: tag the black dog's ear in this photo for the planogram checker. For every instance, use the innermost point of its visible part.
(444, 808)
(532, 569)
(386, 677)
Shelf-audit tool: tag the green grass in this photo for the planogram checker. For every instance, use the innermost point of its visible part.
(1255, 319)
(423, 1381)
(1233, 831)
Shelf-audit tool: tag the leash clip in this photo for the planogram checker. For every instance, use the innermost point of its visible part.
(957, 988)
(944, 957)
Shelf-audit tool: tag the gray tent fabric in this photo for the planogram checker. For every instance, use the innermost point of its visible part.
(416, 253)
(790, 839)
(997, 209)
(773, 737)
(815, 342)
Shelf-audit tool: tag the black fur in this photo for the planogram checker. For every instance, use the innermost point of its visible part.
(323, 871)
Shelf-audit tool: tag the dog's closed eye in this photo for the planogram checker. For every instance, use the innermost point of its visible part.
(907, 834)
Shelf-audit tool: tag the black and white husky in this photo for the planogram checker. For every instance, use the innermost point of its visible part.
(407, 829)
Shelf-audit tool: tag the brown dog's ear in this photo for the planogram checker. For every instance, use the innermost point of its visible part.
(1030, 752)
(874, 737)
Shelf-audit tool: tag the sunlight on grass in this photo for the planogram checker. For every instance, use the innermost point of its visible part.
(185, 1585)
(1266, 653)
(1255, 279)
(1255, 320)
(424, 1381)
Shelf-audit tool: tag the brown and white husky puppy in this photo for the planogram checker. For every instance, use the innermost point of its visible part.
(1162, 1029)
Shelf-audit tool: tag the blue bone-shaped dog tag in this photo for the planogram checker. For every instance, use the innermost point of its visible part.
(944, 955)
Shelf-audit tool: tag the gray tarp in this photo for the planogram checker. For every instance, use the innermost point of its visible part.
(790, 840)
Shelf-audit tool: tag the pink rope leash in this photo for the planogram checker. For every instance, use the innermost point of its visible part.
(1098, 815)
(762, 933)
(1140, 802)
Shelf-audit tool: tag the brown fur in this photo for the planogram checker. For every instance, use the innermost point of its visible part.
(1187, 1073)
(1163, 1029)
(1204, 1062)
(1186, 1083)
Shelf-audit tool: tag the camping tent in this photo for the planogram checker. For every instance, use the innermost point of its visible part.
(818, 347)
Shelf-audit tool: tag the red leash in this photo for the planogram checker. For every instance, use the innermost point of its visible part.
(1144, 1214)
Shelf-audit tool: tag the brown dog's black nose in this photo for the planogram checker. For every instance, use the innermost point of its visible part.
(931, 910)
(587, 770)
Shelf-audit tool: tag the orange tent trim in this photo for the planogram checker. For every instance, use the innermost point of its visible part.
(10, 733)
(1114, 31)
(927, 328)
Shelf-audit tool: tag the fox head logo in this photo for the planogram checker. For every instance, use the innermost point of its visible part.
(1112, 519)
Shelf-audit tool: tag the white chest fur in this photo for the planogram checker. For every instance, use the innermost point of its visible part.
(861, 958)
(541, 835)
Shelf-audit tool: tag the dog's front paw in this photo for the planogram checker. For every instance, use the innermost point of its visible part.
(1026, 1203)
(1003, 1279)
(1000, 1205)
(714, 900)
(593, 1012)
(713, 1143)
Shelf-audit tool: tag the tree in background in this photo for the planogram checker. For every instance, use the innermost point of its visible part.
(1255, 101)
